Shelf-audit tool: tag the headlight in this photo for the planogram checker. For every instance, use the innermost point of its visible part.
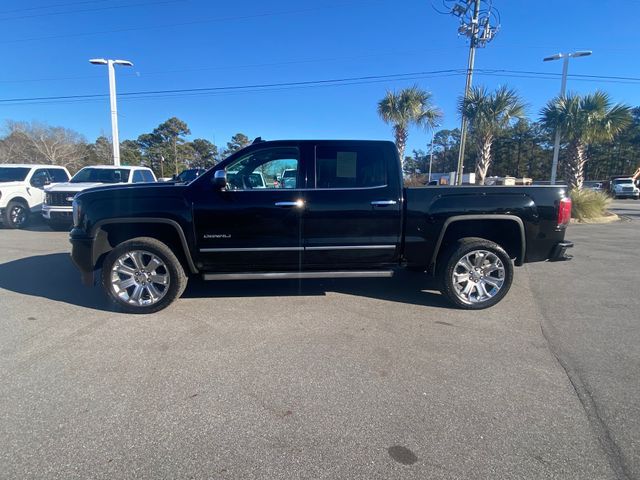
(45, 200)
(77, 212)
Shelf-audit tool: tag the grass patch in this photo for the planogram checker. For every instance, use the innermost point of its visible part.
(587, 204)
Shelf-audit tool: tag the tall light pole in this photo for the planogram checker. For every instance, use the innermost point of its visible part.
(563, 87)
(112, 98)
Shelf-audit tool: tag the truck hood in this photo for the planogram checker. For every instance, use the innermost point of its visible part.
(71, 187)
(132, 189)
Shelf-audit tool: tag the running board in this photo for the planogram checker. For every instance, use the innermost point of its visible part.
(298, 275)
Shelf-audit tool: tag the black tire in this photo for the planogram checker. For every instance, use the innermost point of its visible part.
(177, 279)
(448, 263)
(16, 215)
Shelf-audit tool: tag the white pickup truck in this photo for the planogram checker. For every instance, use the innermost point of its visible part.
(22, 190)
(57, 209)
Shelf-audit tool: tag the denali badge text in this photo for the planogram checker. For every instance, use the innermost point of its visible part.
(216, 235)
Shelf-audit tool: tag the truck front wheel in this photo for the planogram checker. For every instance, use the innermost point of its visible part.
(16, 215)
(142, 275)
(475, 273)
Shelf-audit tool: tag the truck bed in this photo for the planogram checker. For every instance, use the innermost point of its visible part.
(428, 209)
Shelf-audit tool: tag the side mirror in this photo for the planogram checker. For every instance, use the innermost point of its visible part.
(219, 180)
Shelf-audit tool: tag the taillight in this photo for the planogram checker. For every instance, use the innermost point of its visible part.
(564, 212)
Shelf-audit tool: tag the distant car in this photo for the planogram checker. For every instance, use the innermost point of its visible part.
(57, 208)
(288, 178)
(188, 175)
(22, 190)
(624, 188)
(595, 186)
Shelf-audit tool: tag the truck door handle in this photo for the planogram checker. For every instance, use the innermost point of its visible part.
(383, 203)
(297, 203)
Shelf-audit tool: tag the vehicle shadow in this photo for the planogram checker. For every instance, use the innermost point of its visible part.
(404, 287)
(54, 277)
(36, 224)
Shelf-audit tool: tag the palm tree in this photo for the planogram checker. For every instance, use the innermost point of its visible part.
(488, 114)
(410, 106)
(583, 120)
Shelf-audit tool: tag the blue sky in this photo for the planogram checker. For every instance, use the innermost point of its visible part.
(197, 43)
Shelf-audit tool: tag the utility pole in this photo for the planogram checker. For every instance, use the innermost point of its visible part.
(433, 134)
(467, 88)
(480, 26)
(175, 153)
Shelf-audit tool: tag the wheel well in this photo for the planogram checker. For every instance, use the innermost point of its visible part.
(19, 200)
(506, 233)
(111, 235)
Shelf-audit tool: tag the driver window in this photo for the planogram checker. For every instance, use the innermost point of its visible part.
(39, 178)
(264, 169)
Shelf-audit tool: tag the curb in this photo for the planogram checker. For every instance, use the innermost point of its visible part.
(610, 218)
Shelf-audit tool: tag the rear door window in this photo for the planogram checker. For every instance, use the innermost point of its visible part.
(137, 177)
(350, 167)
(148, 176)
(40, 178)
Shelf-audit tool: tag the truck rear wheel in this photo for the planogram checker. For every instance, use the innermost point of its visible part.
(142, 275)
(475, 273)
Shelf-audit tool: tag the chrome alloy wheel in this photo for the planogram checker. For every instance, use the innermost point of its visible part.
(139, 278)
(478, 276)
(18, 215)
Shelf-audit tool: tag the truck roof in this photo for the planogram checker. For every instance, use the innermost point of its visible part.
(333, 142)
(116, 167)
(29, 165)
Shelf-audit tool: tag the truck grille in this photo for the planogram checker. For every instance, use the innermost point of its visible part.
(627, 189)
(60, 199)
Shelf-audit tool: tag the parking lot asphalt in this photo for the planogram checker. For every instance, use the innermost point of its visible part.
(354, 379)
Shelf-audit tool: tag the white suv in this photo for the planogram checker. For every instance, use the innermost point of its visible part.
(22, 190)
(57, 209)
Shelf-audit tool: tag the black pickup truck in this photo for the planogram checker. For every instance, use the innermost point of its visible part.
(312, 209)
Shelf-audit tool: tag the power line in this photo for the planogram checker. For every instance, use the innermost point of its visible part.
(49, 14)
(44, 7)
(573, 75)
(239, 89)
(232, 67)
(235, 92)
(229, 87)
(183, 24)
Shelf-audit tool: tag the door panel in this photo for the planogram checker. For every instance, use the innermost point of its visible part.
(254, 224)
(353, 216)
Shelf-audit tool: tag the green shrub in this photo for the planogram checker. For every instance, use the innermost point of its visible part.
(415, 180)
(589, 204)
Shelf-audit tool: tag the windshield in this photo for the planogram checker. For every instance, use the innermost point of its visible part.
(13, 174)
(622, 180)
(101, 175)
